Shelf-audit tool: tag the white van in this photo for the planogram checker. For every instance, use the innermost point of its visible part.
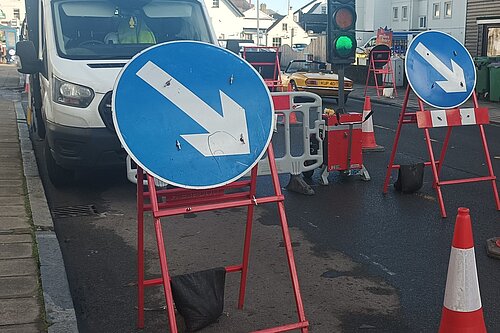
(74, 52)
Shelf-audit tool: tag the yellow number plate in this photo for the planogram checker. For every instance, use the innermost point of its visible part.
(332, 84)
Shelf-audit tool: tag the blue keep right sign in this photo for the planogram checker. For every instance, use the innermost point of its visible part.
(440, 70)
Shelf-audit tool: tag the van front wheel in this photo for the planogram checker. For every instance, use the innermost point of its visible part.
(58, 175)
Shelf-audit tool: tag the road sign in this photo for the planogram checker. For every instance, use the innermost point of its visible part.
(440, 70)
(192, 114)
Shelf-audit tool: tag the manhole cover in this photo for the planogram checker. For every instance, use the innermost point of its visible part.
(74, 211)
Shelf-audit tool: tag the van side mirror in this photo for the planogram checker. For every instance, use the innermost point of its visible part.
(30, 64)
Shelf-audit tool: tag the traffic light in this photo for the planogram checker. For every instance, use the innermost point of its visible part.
(341, 33)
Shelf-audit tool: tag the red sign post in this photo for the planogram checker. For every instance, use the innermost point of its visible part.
(448, 119)
(168, 202)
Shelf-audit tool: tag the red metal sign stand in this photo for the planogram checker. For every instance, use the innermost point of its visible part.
(267, 52)
(449, 119)
(175, 201)
(381, 67)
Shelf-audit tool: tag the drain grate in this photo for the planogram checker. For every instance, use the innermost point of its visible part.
(74, 211)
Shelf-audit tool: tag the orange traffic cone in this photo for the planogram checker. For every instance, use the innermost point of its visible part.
(293, 119)
(462, 309)
(368, 136)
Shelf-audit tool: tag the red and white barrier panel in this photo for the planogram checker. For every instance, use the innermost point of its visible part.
(453, 117)
(281, 102)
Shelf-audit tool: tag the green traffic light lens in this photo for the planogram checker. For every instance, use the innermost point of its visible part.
(344, 46)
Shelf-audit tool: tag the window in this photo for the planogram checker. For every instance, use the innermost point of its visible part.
(16, 13)
(284, 27)
(447, 9)
(395, 13)
(215, 3)
(77, 27)
(435, 10)
(404, 13)
(276, 41)
(493, 42)
(422, 22)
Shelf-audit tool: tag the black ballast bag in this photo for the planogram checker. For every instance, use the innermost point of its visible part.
(410, 178)
(199, 297)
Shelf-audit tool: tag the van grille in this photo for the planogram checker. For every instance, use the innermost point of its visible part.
(105, 111)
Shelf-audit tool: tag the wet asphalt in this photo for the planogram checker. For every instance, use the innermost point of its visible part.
(367, 262)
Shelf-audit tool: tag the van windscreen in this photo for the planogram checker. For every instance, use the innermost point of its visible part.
(114, 29)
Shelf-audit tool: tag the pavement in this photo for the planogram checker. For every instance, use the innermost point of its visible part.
(34, 291)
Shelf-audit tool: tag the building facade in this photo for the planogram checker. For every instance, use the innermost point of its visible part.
(482, 34)
(286, 31)
(227, 19)
(12, 12)
(312, 17)
(412, 15)
(256, 20)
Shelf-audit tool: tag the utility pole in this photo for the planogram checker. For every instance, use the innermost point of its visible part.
(258, 28)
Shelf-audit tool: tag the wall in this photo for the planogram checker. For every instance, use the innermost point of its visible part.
(475, 9)
(299, 35)
(317, 48)
(8, 7)
(225, 22)
(454, 25)
(373, 14)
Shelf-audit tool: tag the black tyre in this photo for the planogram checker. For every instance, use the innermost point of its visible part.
(293, 86)
(58, 175)
(37, 127)
(36, 107)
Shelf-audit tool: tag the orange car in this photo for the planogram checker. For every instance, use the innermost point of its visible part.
(312, 76)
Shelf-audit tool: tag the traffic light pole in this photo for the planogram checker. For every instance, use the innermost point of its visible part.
(341, 94)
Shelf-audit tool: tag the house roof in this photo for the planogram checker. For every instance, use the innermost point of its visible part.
(275, 23)
(242, 5)
(279, 20)
(252, 14)
(316, 5)
(306, 5)
(232, 6)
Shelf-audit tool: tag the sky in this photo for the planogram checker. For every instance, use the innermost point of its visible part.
(281, 5)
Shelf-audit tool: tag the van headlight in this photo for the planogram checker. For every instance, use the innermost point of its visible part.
(71, 94)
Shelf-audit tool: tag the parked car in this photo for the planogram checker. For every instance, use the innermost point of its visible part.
(312, 76)
(299, 46)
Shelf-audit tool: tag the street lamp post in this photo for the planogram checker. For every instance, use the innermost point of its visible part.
(258, 28)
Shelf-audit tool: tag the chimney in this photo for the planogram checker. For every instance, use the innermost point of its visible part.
(263, 8)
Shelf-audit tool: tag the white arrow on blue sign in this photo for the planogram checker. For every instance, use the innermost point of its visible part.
(440, 70)
(192, 114)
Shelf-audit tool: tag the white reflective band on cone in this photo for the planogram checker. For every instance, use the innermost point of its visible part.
(462, 287)
(367, 125)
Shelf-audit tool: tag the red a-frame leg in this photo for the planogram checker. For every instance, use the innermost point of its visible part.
(206, 204)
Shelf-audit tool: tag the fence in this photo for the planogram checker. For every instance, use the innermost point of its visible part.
(317, 48)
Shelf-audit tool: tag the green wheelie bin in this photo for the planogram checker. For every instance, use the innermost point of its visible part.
(494, 94)
(483, 75)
